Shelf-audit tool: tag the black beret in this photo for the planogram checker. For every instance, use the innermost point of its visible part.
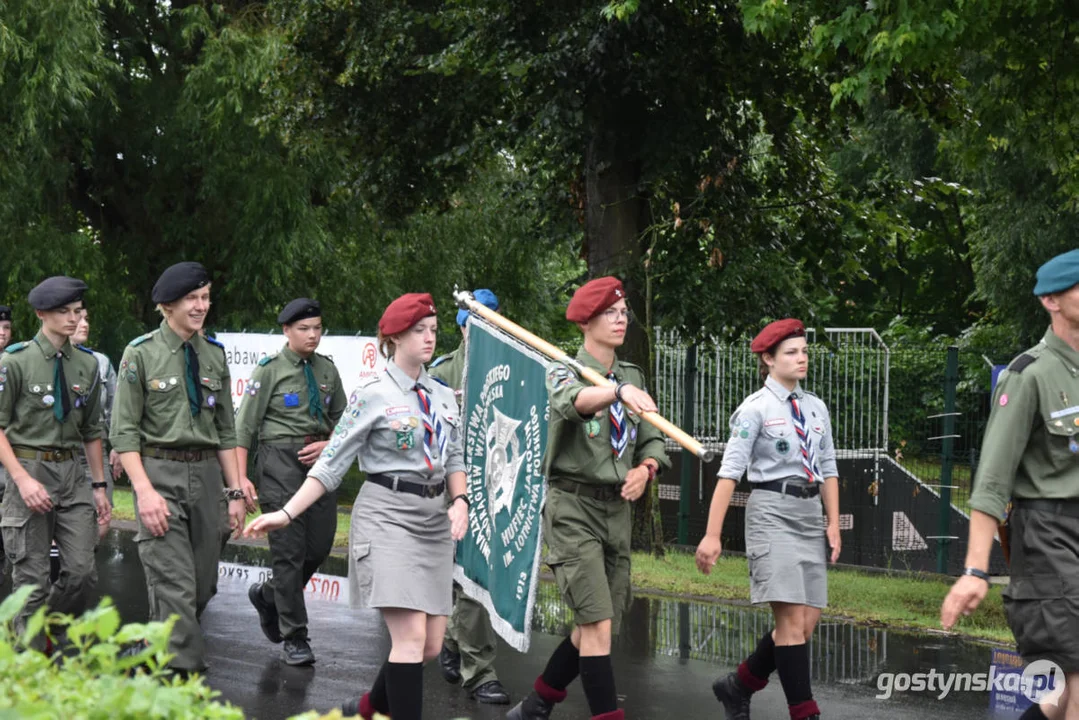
(55, 292)
(5, 313)
(299, 309)
(178, 280)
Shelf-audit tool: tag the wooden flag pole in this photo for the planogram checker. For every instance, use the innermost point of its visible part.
(465, 300)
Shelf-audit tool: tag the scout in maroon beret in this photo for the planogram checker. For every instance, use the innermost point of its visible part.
(781, 441)
(406, 311)
(600, 457)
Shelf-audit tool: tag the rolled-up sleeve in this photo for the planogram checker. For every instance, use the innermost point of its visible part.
(349, 437)
(1006, 436)
(563, 387)
(745, 427)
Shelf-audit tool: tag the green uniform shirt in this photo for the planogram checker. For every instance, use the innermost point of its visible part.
(151, 407)
(1031, 445)
(28, 394)
(450, 371)
(579, 448)
(277, 403)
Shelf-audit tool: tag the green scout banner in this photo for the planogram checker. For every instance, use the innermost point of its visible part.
(506, 412)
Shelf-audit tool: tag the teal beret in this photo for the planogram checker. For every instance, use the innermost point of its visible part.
(1059, 274)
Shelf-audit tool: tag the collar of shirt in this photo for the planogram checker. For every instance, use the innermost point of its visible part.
(405, 382)
(175, 342)
(294, 357)
(1066, 352)
(48, 349)
(782, 392)
(585, 358)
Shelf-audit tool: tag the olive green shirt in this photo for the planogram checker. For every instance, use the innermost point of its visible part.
(450, 371)
(1031, 445)
(277, 403)
(579, 448)
(151, 407)
(28, 394)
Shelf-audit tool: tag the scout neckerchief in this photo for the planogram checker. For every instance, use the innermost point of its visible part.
(432, 429)
(314, 399)
(194, 389)
(809, 460)
(619, 438)
(62, 408)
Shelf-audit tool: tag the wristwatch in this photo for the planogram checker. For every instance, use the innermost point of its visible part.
(982, 574)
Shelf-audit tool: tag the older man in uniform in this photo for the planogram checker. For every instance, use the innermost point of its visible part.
(600, 457)
(1031, 457)
(468, 650)
(294, 399)
(173, 425)
(49, 408)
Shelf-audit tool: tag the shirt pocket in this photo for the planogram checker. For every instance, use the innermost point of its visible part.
(1063, 437)
(41, 396)
(164, 390)
(453, 426)
(777, 428)
(211, 391)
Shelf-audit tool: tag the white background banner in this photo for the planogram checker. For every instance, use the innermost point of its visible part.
(356, 357)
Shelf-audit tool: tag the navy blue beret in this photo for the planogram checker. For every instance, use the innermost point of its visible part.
(55, 292)
(299, 309)
(5, 313)
(178, 280)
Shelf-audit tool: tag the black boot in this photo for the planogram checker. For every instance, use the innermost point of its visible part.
(449, 662)
(735, 696)
(267, 613)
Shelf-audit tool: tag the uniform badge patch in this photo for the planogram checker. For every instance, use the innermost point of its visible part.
(292, 400)
(1073, 445)
(633, 433)
(48, 400)
(406, 439)
(592, 428)
(744, 434)
(1004, 399)
(211, 400)
(783, 447)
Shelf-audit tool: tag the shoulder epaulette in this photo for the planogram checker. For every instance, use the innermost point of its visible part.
(327, 358)
(810, 392)
(16, 347)
(369, 382)
(84, 349)
(141, 339)
(441, 360)
(1021, 362)
(440, 381)
(266, 360)
(214, 341)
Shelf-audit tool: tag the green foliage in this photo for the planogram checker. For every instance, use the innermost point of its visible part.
(90, 680)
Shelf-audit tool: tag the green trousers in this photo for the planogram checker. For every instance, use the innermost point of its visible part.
(28, 537)
(469, 633)
(181, 566)
(296, 551)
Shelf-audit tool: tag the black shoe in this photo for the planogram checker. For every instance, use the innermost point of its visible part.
(491, 693)
(350, 708)
(267, 613)
(735, 696)
(532, 707)
(450, 664)
(297, 651)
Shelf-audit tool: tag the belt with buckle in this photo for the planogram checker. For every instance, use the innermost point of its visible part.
(786, 487)
(606, 492)
(177, 454)
(392, 482)
(297, 440)
(57, 455)
(1068, 508)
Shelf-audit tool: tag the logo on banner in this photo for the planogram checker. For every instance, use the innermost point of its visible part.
(369, 356)
(511, 467)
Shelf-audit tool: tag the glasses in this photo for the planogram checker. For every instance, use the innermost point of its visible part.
(613, 315)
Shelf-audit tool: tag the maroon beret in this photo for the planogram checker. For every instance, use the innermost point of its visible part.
(594, 297)
(775, 332)
(404, 312)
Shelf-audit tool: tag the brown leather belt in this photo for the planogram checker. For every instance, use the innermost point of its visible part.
(298, 440)
(605, 493)
(178, 455)
(58, 455)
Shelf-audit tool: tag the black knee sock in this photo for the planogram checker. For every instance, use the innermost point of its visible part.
(762, 662)
(404, 686)
(380, 700)
(1034, 712)
(792, 662)
(597, 679)
(563, 667)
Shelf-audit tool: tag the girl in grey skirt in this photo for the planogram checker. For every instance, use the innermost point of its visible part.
(405, 430)
(782, 435)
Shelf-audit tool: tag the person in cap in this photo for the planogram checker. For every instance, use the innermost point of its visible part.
(405, 430)
(173, 426)
(468, 650)
(107, 386)
(600, 458)
(1031, 459)
(294, 398)
(781, 436)
(5, 326)
(50, 408)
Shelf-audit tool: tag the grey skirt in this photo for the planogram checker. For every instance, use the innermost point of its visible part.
(785, 544)
(400, 552)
